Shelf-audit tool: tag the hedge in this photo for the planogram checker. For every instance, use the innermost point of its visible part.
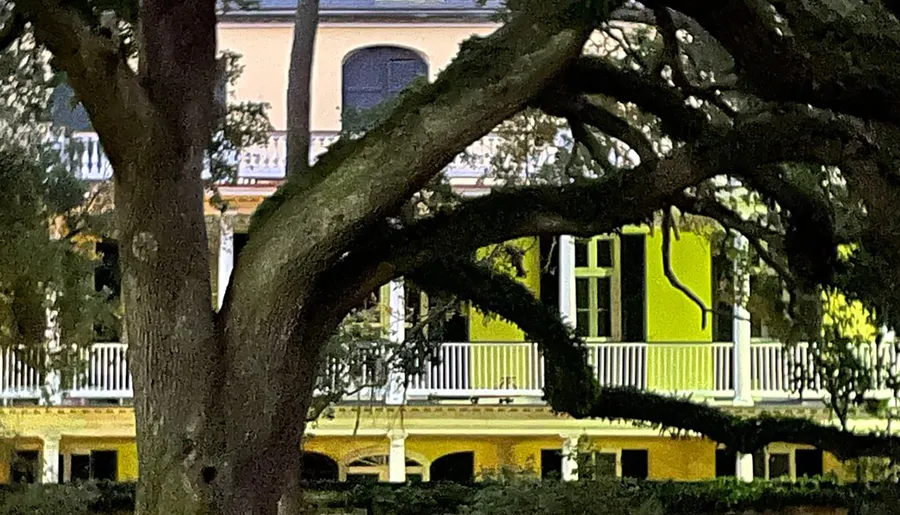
(488, 498)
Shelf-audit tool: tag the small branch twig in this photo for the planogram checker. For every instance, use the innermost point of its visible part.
(15, 27)
(670, 274)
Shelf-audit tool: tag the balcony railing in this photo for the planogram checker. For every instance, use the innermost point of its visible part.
(268, 162)
(503, 370)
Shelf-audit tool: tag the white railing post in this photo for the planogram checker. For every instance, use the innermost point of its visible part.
(569, 456)
(396, 334)
(743, 372)
(567, 279)
(226, 254)
(397, 457)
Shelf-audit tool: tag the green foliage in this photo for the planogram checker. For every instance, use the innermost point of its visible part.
(245, 124)
(47, 261)
(39, 500)
(512, 496)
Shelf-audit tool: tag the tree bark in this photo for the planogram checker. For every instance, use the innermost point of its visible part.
(306, 23)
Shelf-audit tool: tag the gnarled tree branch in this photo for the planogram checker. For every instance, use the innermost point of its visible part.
(571, 388)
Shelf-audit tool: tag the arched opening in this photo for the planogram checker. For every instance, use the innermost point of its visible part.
(458, 467)
(375, 467)
(373, 75)
(318, 467)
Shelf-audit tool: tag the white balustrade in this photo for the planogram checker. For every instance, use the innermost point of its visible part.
(269, 161)
(479, 369)
(467, 370)
(619, 364)
(104, 373)
(19, 377)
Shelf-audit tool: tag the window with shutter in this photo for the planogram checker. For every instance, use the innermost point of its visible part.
(375, 74)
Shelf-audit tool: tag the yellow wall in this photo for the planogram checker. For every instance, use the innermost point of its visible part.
(672, 317)
(126, 449)
(494, 329)
(266, 56)
(678, 459)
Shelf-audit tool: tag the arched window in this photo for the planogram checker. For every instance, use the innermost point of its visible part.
(374, 74)
(458, 467)
(318, 467)
(374, 468)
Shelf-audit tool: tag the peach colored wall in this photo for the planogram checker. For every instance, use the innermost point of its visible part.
(266, 56)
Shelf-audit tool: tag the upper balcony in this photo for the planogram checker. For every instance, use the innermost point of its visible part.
(481, 372)
(264, 164)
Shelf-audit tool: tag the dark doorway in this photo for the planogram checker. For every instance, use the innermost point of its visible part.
(24, 467)
(726, 463)
(809, 462)
(551, 464)
(458, 467)
(318, 467)
(635, 463)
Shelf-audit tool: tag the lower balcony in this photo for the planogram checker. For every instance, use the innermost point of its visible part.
(474, 372)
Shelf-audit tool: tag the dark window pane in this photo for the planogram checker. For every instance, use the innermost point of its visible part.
(104, 465)
(24, 467)
(551, 463)
(240, 241)
(779, 465)
(633, 267)
(604, 306)
(759, 465)
(458, 467)
(61, 466)
(582, 293)
(726, 463)
(81, 467)
(635, 463)
(604, 253)
(605, 464)
(755, 327)
(401, 72)
(583, 323)
(107, 275)
(809, 462)
(722, 318)
(581, 252)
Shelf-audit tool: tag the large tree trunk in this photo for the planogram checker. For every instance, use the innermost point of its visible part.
(221, 398)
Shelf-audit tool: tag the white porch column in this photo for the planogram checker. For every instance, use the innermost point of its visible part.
(569, 454)
(741, 330)
(567, 279)
(226, 254)
(743, 468)
(397, 457)
(52, 385)
(396, 334)
(50, 459)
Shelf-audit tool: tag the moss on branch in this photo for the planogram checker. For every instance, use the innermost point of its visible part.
(571, 388)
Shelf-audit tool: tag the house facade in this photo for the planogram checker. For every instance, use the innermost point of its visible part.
(477, 409)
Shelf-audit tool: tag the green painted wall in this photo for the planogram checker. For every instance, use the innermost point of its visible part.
(494, 329)
(673, 317)
(486, 371)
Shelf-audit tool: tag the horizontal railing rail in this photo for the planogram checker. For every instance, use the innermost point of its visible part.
(269, 161)
(490, 369)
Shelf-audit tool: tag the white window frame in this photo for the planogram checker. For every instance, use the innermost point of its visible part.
(614, 273)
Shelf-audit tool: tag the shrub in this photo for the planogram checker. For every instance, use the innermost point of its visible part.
(604, 497)
(40, 500)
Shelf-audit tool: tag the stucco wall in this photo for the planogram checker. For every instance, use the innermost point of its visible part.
(266, 56)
